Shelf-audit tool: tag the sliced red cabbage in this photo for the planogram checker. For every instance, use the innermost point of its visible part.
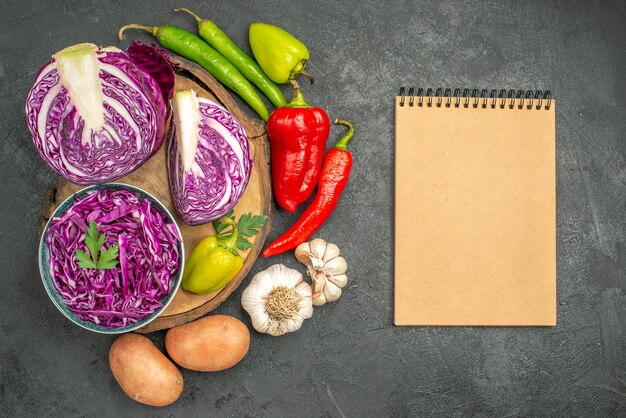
(97, 114)
(209, 160)
(148, 258)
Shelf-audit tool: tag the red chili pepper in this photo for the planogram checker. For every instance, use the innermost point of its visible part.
(333, 179)
(298, 134)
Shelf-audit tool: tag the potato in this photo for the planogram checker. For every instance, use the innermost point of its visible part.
(209, 344)
(143, 372)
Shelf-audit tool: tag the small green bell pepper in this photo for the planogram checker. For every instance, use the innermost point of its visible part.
(213, 263)
(279, 53)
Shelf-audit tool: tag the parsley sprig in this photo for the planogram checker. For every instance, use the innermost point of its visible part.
(97, 258)
(248, 225)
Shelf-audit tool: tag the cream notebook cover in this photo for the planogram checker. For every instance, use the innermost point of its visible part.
(475, 209)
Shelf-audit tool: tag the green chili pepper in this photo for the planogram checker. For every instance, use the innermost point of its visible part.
(279, 53)
(191, 47)
(215, 37)
(213, 263)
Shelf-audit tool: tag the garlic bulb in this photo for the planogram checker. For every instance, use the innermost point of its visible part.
(278, 300)
(326, 268)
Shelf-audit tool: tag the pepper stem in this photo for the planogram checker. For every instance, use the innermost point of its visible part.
(182, 9)
(298, 98)
(343, 142)
(151, 29)
(230, 243)
(299, 69)
(307, 75)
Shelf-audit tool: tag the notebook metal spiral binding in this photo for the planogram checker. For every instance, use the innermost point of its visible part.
(503, 98)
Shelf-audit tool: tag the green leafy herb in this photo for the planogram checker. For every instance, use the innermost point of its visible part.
(248, 224)
(219, 226)
(97, 258)
(84, 260)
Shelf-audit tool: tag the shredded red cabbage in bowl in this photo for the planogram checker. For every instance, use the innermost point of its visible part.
(148, 257)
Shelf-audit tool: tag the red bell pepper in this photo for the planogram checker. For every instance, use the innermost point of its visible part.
(333, 180)
(298, 134)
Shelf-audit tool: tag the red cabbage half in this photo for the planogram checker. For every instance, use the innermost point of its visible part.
(148, 258)
(208, 158)
(97, 114)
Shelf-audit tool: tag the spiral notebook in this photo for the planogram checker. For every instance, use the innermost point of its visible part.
(475, 208)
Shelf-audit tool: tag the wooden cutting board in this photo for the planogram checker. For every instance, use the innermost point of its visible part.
(152, 177)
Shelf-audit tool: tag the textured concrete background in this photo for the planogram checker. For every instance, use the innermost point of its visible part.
(349, 360)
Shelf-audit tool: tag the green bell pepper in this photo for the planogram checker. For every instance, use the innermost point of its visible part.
(279, 53)
(213, 263)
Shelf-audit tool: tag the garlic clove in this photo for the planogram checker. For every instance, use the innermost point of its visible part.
(303, 253)
(275, 329)
(335, 266)
(260, 323)
(316, 264)
(332, 292)
(294, 324)
(319, 285)
(318, 248)
(284, 276)
(252, 297)
(263, 281)
(304, 290)
(319, 299)
(306, 308)
(278, 328)
(340, 280)
(252, 304)
(332, 251)
(318, 280)
(263, 284)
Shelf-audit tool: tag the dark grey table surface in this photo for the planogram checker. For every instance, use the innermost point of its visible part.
(349, 360)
